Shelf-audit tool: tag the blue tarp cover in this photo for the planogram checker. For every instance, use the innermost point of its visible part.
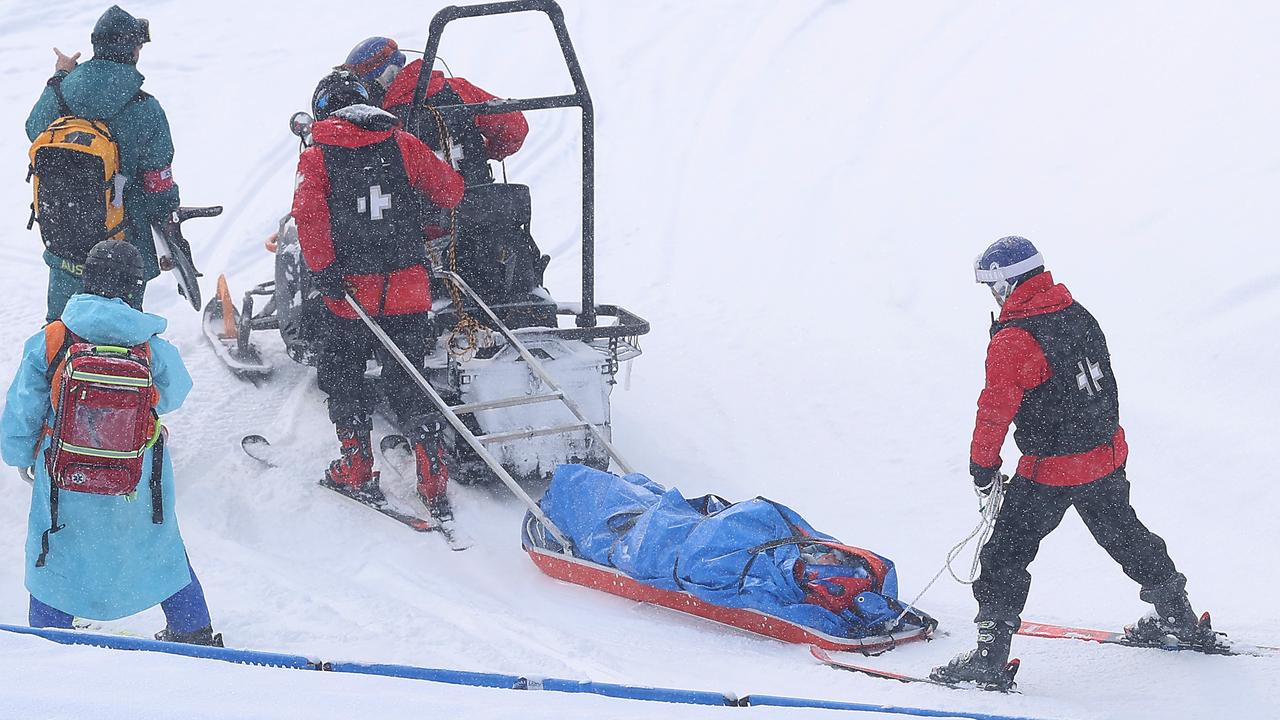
(755, 554)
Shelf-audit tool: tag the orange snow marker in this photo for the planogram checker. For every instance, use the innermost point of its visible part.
(228, 310)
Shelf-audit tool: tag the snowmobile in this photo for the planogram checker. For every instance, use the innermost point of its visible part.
(501, 337)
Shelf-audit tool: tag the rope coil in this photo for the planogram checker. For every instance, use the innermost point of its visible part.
(989, 509)
(467, 336)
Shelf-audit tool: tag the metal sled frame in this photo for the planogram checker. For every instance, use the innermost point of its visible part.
(479, 443)
(566, 567)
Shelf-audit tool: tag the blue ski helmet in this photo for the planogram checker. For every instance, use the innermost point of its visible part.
(373, 60)
(1005, 264)
(337, 90)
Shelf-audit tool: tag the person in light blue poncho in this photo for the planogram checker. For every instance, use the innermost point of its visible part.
(99, 556)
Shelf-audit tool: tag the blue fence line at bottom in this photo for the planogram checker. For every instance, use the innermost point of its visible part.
(478, 679)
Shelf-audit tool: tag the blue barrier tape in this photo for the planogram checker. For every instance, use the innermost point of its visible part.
(632, 692)
(776, 701)
(475, 679)
(118, 642)
(409, 672)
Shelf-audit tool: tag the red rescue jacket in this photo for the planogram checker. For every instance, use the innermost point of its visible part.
(503, 134)
(401, 292)
(1015, 364)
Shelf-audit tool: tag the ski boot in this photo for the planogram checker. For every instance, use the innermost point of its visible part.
(433, 471)
(988, 665)
(1172, 621)
(352, 474)
(203, 636)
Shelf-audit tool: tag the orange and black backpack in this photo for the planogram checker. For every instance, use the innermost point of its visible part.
(104, 401)
(76, 182)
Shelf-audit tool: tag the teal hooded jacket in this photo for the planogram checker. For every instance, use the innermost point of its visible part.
(109, 559)
(106, 90)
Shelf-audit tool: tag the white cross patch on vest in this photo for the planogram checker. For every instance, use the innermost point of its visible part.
(375, 204)
(1088, 380)
(455, 155)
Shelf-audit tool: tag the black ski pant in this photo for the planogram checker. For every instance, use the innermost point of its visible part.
(1031, 511)
(346, 347)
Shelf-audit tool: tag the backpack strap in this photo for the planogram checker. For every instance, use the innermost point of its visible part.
(157, 477)
(53, 520)
(57, 341)
(55, 82)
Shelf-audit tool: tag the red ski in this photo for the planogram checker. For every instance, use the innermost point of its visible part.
(1222, 646)
(824, 657)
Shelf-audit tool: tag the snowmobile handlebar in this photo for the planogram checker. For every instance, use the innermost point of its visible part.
(184, 214)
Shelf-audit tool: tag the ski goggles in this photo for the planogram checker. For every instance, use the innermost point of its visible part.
(996, 273)
(322, 102)
(388, 75)
(997, 278)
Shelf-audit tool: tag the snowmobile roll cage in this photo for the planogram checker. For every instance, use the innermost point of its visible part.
(580, 98)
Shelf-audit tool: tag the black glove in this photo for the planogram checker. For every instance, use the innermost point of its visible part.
(984, 479)
(331, 283)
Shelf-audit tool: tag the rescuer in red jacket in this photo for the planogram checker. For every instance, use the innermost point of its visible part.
(1048, 371)
(380, 64)
(364, 191)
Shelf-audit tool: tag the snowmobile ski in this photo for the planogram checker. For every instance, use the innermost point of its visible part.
(397, 452)
(260, 449)
(825, 658)
(1222, 646)
(221, 324)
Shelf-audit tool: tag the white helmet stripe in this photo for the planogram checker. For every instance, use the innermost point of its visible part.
(1006, 272)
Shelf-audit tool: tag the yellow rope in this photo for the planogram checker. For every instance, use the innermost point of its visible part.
(467, 336)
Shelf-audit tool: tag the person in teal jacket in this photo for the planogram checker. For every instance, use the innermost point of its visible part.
(109, 87)
(108, 558)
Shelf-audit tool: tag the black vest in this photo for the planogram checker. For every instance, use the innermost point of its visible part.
(374, 213)
(469, 156)
(1078, 407)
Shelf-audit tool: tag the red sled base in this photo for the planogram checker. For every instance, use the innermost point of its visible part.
(568, 568)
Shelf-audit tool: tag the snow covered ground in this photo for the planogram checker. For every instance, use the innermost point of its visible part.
(792, 193)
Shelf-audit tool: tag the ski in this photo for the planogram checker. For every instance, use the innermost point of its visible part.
(397, 453)
(259, 448)
(1109, 637)
(825, 658)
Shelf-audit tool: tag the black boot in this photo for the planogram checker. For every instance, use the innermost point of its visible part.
(203, 636)
(987, 665)
(1172, 616)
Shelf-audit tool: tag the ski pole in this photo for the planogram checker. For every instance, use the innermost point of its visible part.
(457, 423)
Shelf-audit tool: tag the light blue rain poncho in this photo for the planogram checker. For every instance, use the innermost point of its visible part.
(110, 560)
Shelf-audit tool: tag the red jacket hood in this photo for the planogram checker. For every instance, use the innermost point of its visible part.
(336, 131)
(1036, 296)
(401, 90)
